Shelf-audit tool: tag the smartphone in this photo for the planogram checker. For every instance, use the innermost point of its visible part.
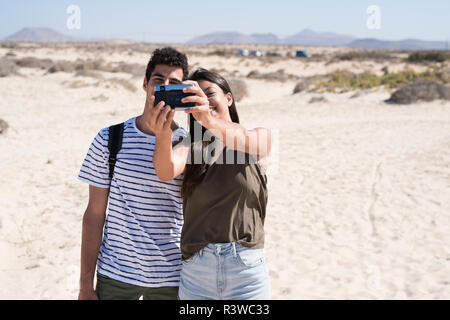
(172, 94)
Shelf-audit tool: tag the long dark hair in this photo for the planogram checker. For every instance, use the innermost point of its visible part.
(193, 173)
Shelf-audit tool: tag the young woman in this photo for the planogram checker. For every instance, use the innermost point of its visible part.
(224, 193)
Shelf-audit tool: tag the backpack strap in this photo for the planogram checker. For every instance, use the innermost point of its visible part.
(114, 145)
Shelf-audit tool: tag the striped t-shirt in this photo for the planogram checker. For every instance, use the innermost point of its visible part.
(141, 241)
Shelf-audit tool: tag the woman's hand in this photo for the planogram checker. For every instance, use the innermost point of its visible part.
(158, 118)
(201, 111)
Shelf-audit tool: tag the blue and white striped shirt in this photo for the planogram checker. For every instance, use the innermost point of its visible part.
(141, 242)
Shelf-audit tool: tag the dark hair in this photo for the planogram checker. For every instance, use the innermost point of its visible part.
(170, 57)
(193, 173)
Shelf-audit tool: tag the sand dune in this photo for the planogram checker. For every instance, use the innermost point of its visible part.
(359, 191)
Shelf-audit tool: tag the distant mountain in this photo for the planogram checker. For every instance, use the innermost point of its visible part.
(222, 37)
(309, 37)
(39, 35)
(306, 37)
(236, 38)
(265, 38)
(407, 44)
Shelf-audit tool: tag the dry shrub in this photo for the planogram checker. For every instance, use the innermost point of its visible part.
(76, 84)
(32, 62)
(238, 88)
(62, 66)
(3, 126)
(318, 99)
(9, 45)
(375, 55)
(132, 68)
(301, 86)
(89, 74)
(99, 64)
(278, 75)
(420, 91)
(89, 64)
(101, 98)
(220, 53)
(254, 74)
(7, 67)
(124, 83)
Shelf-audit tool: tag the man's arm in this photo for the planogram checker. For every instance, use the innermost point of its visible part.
(92, 235)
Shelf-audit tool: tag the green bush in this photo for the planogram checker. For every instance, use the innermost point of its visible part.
(344, 81)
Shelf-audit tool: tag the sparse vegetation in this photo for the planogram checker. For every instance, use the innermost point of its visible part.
(376, 55)
(343, 81)
(89, 64)
(318, 99)
(239, 89)
(77, 84)
(89, 73)
(32, 62)
(7, 67)
(3, 126)
(428, 56)
(124, 83)
(278, 75)
(131, 68)
(100, 98)
(219, 52)
(62, 66)
(301, 86)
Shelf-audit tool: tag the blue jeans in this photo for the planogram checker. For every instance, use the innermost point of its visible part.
(225, 271)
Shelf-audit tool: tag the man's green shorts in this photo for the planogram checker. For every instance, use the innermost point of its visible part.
(109, 289)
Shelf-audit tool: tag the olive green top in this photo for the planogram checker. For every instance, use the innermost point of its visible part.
(229, 205)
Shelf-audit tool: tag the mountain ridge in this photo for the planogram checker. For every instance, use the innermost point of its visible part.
(306, 37)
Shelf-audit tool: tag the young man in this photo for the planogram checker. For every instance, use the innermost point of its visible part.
(139, 253)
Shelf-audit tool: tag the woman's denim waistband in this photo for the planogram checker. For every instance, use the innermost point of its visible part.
(220, 249)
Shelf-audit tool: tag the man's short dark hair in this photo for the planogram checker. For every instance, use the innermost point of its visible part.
(168, 56)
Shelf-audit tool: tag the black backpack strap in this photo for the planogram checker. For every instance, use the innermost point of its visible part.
(114, 145)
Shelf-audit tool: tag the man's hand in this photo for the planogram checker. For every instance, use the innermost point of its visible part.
(158, 119)
(87, 294)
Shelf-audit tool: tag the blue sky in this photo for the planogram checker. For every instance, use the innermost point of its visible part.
(159, 21)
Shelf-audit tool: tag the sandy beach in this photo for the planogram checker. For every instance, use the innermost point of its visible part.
(359, 190)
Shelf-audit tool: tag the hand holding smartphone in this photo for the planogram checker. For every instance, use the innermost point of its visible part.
(172, 94)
